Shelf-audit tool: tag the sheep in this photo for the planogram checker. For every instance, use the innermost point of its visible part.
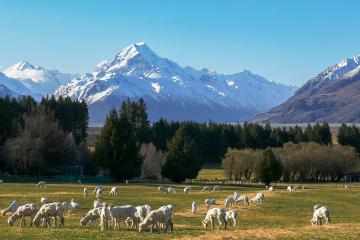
(95, 189)
(271, 189)
(50, 210)
(319, 213)
(161, 215)
(231, 216)
(99, 193)
(85, 192)
(242, 199)
(11, 208)
(171, 190)
(229, 201)
(105, 217)
(187, 190)
(290, 189)
(193, 207)
(205, 188)
(118, 212)
(41, 184)
(236, 195)
(219, 214)
(1, 182)
(44, 200)
(140, 215)
(347, 186)
(113, 192)
(209, 202)
(97, 204)
(162, 189)
(216, 188)
(258, 198)
(91, 217)
(27, 210)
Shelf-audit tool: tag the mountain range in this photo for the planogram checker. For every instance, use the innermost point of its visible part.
(332, 96)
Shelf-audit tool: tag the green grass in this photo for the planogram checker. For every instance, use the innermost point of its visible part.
(283, 216)
(211, 174)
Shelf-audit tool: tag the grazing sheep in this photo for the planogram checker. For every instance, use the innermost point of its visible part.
(50, 210)
(95, 189)
(290, 189)
(209, 202)
(27, 210)
(162, 215)
(41, 184)
(143, 211)
(205, 188)
(1, 182)
(11, 208)
(44, 200)
(85, 192)
(114, 191)
(91, 217)
(271, 189)
(118, 212)
(97, 204)
(187, 190)
(347, 186)
(229, 201)
(105, 217)
(242, 199)
(259, 198)
(162, 189)
(319, 213)
(231, 216)
(216, 188)
(140, 215)
(219, 214)
(236, 195)
(193, 207)
(99, 193)
(171, 190)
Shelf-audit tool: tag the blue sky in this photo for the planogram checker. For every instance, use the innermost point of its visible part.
(287, 41)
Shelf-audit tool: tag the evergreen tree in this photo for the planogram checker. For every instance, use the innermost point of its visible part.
(181, 162)
(269, 169)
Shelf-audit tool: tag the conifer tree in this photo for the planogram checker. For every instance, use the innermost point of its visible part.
(269, 169)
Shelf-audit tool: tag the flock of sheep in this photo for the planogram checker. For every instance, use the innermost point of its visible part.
(140, 217)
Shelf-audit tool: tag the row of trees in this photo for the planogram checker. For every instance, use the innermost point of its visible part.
(349, 135)
(307, 162)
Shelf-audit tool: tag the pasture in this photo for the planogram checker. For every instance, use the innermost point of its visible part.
(283, 216)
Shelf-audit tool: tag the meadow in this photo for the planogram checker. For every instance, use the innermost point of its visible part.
(283, 215)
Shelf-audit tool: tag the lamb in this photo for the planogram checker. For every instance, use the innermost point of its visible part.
(50, 210)
(193, 207)
(205, 188)
(229, 201)
(161, 215)
(11, 208)
(162, 189)
(187, 190)
(216, 188)
(290, 189)
(41, 184)
(105, 217)
(236, 195)
(85, 192)
(242, 199)
(171, 190)
(258, 198)
(219, 214)
(99, 193)
(91, 217)
(319, 213)
(114, 191)
(97, 204)
(44, 200)
(231, 216)
(118, 212)
(27, 210)
(209, 202)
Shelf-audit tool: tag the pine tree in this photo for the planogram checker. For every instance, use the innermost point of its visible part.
(269, 169)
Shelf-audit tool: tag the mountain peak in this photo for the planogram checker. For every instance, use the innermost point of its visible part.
(20, 66)
(134, 50)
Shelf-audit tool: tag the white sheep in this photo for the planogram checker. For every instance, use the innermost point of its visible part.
(27, 210)
(41, 184)
(347, 186)
(162, 215)
(95, 189)
(50, 210)
(114, 191)
(44, 200)
(236, 195)
(91, 217)
(97, 204)
(193, 207)
(205, 188)
(229, 201)
(231, 216)
(1, 182)
(259, 198)
(143, 211)
(11, 208)
(319, 213)
(290, 189)
(216, 188)
(171, 190)
(271, 189)
(162, 189)
(85, 192)
(187, 190)
(119, 212)
(105, 217)
(99, 193)
(219, 214)
(209, 202)
(243, 200)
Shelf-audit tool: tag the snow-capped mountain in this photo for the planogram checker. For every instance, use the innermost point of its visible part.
(172, 91)
(36, 81)
(4, 91)
(332, 96)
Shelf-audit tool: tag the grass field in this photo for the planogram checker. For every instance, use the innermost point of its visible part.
(283, 215)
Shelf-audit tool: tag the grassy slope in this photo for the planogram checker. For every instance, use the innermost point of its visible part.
(284, 215)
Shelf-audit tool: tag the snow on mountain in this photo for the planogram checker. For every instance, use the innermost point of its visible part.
(37, 80)
(4, 91)
(172, 91)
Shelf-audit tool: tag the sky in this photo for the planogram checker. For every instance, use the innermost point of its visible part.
(287, 41)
